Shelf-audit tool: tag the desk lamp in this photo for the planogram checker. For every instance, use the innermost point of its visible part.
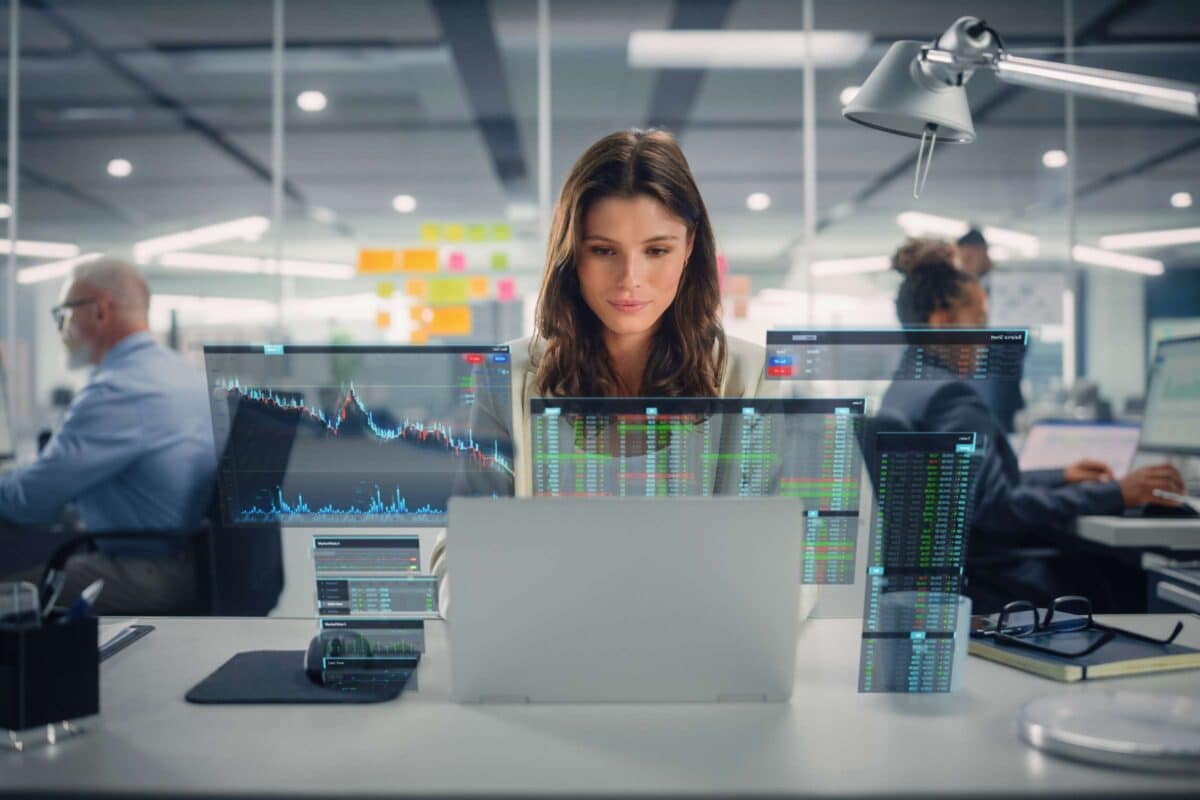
(917, 90)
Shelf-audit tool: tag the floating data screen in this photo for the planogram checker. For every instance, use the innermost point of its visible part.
(377, 638)
(357, 436)
(1172, 418)
(924, 501)
(802, 448)
(7, 449)
(333, 555)
(370, 596)
(907, 354)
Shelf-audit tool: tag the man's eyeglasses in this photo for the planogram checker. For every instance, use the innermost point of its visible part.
(1020, 623)
(59, 312)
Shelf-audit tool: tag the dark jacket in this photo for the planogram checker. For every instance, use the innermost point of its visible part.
(1010, 506)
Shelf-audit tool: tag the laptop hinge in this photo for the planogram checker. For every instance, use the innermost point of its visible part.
(741, 698)
(504, 698)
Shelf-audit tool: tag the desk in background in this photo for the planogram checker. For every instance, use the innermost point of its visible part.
(829, 740)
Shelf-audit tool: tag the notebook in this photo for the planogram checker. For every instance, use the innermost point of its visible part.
(1122, 656)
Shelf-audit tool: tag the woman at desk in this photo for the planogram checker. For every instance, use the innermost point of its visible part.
(630, 302)
(1012, 509)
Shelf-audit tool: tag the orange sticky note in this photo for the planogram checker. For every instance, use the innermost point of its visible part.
(376, 261)
(451, 321)
(477, 288)
(419, 336)
(506, 289)
(419, 260)
(739, 285)
(383, 319)
(416, 287)
(417, 314)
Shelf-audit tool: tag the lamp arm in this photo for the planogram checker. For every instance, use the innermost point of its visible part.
(1176, 97)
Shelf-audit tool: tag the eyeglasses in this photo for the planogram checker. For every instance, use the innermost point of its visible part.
(59, 312)
(1020, 622)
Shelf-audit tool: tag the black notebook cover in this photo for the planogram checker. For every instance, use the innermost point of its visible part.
(277, 676)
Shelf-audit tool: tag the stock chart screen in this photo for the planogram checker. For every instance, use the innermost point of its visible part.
(354, 436)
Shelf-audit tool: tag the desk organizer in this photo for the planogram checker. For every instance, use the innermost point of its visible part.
(49, 674)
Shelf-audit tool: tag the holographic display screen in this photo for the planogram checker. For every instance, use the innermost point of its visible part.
(354, 436)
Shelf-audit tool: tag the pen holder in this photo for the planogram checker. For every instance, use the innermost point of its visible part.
(49, 673)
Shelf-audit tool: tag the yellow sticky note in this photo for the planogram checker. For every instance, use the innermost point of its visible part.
(455, 232)
(501, 232)
(448, 290)
(383, 319)
(477, 233)
(376, 261)
(431, 232)
(419, 260)
(451, 321)
(478, 288)
(416, 287)
(385, 289)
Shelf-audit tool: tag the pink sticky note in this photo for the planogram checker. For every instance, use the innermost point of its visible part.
(506, 289)
(722, 264)
(457, 262)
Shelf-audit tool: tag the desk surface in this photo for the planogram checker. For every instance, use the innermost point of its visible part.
(830, 740)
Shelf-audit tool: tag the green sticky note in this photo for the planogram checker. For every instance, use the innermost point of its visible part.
(477, 233)
(501, 232)
(499, 260)
(448, 290)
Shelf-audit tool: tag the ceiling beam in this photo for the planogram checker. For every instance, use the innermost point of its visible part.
(675, 90)
(467, 29)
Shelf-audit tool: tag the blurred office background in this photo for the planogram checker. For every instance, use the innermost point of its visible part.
(408, 126)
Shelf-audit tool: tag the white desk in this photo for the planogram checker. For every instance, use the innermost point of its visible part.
(828, 741)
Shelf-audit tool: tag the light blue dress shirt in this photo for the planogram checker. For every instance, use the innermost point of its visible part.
(135, 450)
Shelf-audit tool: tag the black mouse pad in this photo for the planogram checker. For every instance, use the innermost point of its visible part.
(277, 676)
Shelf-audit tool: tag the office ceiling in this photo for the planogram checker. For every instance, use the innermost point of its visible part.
(438, 99)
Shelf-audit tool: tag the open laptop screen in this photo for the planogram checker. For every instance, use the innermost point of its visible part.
(1053, 445)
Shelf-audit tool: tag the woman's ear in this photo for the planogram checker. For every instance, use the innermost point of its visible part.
(691, 241)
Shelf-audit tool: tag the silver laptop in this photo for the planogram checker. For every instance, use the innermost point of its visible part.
(623, 600)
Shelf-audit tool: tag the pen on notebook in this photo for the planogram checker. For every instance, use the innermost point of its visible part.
(1187, 500)
(87, 599)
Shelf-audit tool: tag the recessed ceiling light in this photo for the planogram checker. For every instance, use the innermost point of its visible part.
(311, 101)
(848, 94)
(1106, 258)
(758, 201)
(5, 211)
(707, 49)
(120, 168)
(1181, 200)
(1054, 159)
(404, 203)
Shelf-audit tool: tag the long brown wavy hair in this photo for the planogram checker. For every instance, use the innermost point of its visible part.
(688, 352)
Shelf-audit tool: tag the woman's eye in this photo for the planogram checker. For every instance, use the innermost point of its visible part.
(657, 251)
(602, 251)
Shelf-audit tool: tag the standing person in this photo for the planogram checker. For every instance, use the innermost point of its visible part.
(135, 449)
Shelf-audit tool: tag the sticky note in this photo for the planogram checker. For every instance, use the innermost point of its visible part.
(419, 260)
(417, 314)
(455, 232)
(385, 289)
(456, 261)
(448, 290)
(499, 260)
(416, 287)
(739, 285)
(419, 336)
(478, 288)
(722, 264)
(376, 261)
(501, 232)
(431, 232)
(383, 319)
(506, 289)
(477, 233)
(451, 321)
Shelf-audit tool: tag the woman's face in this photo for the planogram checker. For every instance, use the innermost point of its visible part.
(970, 310)
(630, 262)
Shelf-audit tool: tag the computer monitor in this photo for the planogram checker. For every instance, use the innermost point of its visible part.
(1172, 416)
(7, 448)
(357, 436)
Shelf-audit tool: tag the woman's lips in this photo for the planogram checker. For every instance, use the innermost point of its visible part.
(628, 306)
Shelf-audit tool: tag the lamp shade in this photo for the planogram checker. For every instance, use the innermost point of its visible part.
(898, 98)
